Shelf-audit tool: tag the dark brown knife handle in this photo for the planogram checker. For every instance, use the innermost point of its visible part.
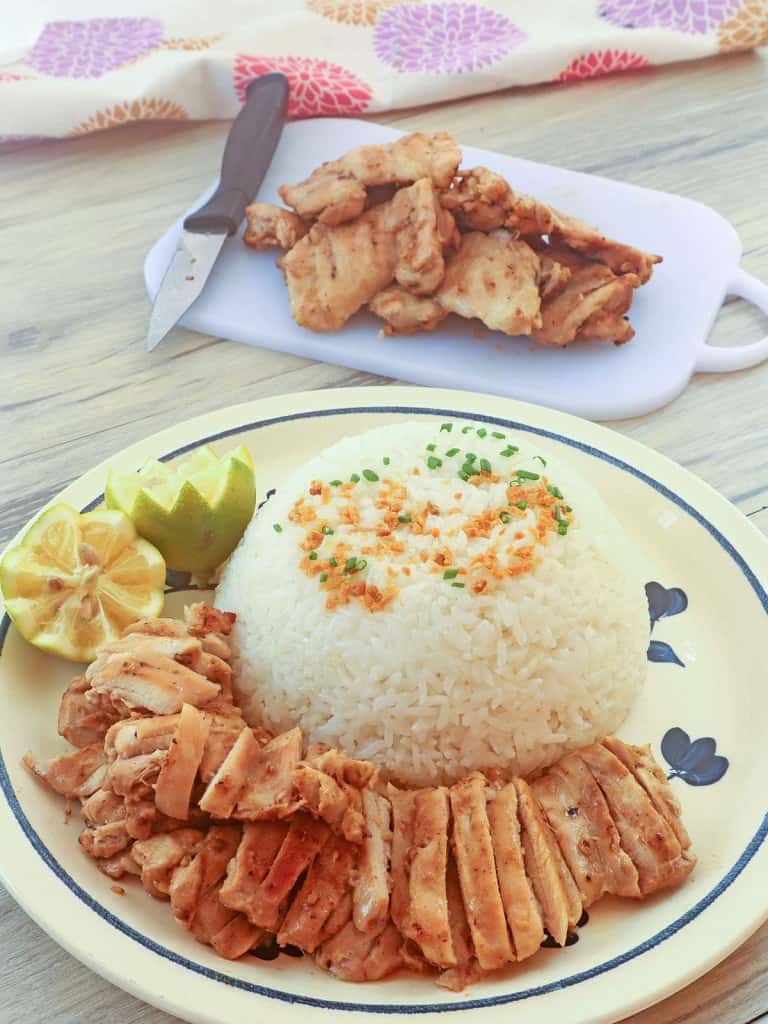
(248, 153)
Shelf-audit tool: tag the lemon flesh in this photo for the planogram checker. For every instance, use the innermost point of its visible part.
(75, 581)
(194, 511)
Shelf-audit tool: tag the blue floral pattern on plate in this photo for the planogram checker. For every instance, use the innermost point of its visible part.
(694, 761)
(664, 603)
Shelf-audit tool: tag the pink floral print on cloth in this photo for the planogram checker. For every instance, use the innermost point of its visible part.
(447, 38)
(602, 62)
(318, 88)
(694, 16)
(89, 49)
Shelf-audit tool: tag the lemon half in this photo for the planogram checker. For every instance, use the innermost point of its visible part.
(75, 581)
(194, 511)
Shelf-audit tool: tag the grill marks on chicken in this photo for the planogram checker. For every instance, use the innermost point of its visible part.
(400, 229)
(254, 839)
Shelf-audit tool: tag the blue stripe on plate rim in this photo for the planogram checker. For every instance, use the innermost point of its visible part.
(471, 1004)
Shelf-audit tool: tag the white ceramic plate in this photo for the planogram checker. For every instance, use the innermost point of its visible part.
(629, 955)
(245, 297)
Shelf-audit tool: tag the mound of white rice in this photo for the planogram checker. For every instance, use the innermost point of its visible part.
(439, 678)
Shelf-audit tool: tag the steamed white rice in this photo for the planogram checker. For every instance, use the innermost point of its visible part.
(442, 680)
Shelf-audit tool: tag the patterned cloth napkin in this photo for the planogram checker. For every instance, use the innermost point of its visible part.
(77, 66)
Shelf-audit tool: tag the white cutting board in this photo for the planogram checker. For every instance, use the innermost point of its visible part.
(245, 298)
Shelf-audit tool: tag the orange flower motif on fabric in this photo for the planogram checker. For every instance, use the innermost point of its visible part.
(353, 12)
(602, 62)
(151, 109)
(191, 43)
(746, 29)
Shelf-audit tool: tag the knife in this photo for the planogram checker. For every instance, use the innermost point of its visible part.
(250, 147)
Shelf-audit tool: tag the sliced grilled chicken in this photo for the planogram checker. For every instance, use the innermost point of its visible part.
(645, 835)
(326, 882)
(540, 864)
(587, 833)
(149, 682)
(473, 850)
(370, 898)
(105, 841)
(520, 906)
(340, 916)
(207, 867)
(71, 775)
(160, 855)
(177, 775)
(306, 836)
(236, 938)
(255, 855)
(225, 728)
(428, 924)
(402, 803)
(641, 763)
(135, 775)
(339, 805)
(456, 978)
(269, 791)
(346, 770)
(120, 865)
(85, 716)
(228, 783)
(134, 736)
(361, 956)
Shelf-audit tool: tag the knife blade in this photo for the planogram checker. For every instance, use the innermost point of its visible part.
(248, 153)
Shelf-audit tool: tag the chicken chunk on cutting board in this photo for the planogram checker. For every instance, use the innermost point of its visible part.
(494, 278)
(271, 226)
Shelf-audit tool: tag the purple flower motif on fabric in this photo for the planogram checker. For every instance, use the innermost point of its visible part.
(89, 49)
(448, 38)
(695, 17)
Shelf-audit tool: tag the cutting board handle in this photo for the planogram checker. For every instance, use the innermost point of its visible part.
(712, 359)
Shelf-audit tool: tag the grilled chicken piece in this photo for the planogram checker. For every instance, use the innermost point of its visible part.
(585, 830)
(160, 855)
(541, 866)
(207, 867)
(78, 774)
(406, 313)
(495, 279)
(428, 924)
(520, 906)
(361, 956)
(135, 776)
(207, 624)
(120, 865)
(414, 217)
(255, 855)
(149, 682)
(333, 271)
(327, 880)
(228, 783)
(591, 306)
(336, 191)
(271, 226)
(304, 840)
(402, 804)
(370, 898)
(641, 763)
(224, 730)
(85, 716)
(339, 916)
(554, 275)
(645, 835)
(457, 978)
(102, 807)
(529, 216)
(236, 938)
(268, 791)
(479, 199)
(133, 736)
(105, 841)
(346, 770)
(473, 849)
(173, 789)
(340, 806)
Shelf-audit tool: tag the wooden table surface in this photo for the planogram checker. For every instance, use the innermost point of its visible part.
(77, 386)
